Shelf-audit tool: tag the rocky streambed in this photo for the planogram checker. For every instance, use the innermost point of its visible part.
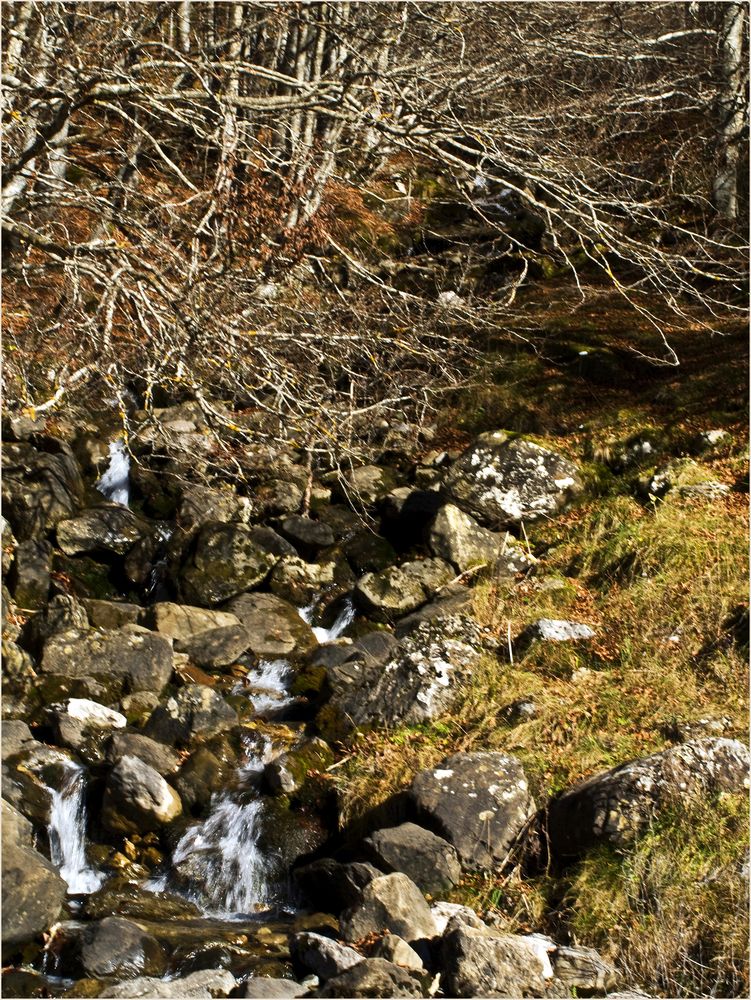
(186, 659)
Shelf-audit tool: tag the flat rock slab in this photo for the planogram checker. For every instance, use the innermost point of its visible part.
(480, 802)
(143, 662)
(274, 626)
(181, 621)
(217, 647)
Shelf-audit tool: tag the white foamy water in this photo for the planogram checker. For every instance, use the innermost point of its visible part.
(221, 855)
(67, 833)
(343, 620)
(268, 685)
(115, 482)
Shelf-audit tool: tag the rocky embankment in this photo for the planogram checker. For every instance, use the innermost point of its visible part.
(184, 664)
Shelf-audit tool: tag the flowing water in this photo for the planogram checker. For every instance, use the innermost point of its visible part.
(115, 482)
(343, 620)
(67, 833)
(266, 685)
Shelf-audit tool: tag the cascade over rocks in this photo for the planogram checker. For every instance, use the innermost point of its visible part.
(274, 627)
(224, 560)
(480, 802)
(619, 804)
(503, 480)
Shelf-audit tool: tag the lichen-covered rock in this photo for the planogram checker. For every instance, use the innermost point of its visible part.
(61, 614)
(33, 895)
(430, 861)
(111, 614)
(552, 630)
(460, 540)
(298, 582)
(17, 830)
(201, 985)
(137, 798)
(217, 647)
(683, 477)
(391, 902)
(582, 968)
(224, 560)
(39, 488)
(365, 486)
(503, 480)
(195, 710)
(31, 573)
(181, 621)
(201, 504)
(108, 527)
(274, 627)
(619, 804)
(397, 590)
(483, 963)
(374, 977)
(379, 682)
(140, 661)
(480, 802)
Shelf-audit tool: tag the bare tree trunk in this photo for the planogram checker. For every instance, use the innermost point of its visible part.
(732, 109)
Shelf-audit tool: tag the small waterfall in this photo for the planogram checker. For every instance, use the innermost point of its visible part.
(114, 483)
(268, 685)
(343, 620)
(67, 833)
(220, 857)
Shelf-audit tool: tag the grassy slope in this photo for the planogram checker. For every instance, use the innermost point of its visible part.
(658, 581)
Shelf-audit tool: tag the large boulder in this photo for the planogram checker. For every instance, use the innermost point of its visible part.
(139, 661)
(224, 560)
(181, 621)
(374, 977)
(617, 805)
(391, 902)
(503, 480)
(397, 590)
(17, 830)
(365, 486)
(339, 884)
(196, 710)
(163, 760)
(33, 895)
(31, 573)
(39, 488)
(378, 681)
(201, 985)
(482, 963)
(275, 628)
(137, 798)
(108, 527)
(217, 647)
(119, 948)
(480, 802)
(460, 540)
(430, 861)
(321, 955)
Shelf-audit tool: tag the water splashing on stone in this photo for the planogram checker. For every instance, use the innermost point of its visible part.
(267, 684)
(114, 484)
(67, 833)
(343, 620)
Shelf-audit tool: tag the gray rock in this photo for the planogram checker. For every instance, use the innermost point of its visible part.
(39, 488)
(391, 902)
(444, 913)
(137, 798)
(368, 552)
(181, 621)
(62, 614)
(321, 955)
(217, 647)
(201, 504)
(373, 977)
(306, 534)
(430, 861)
(299, 582)
(460, 540)
(202, 985)
(582, 968)
(142, 662)
(551, 630)
(480, 802)
(480, 963)
(365, 486)
(15, 735)
(396, 950)
(274, 627)
(33, 895)
(619, 804)
(30, 776)
(111, 614)
(397, 590)
(683, 477)
(502, 480)
(260, 988)
(107, 527)
(17, 830)
(224, 561)
(339, 884)
(119, 948)
(278, 497)
(194, 710)
(31, 573)
(80, 721)
(163, 760)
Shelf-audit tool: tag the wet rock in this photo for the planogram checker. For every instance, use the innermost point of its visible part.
(307, 535)
(81, 721)
(39, 488)
(396, 950)
(481, 963)
(428, 860)
(339, 884)
(502, 480)
(391, 902)
(195, 710)
(119, 948)
(480, 802)
(140, 661)
(365, 486)
(552, 630)
(583, 969)
(274, 627)
(111, 614)
(156, 755)
(137, 798)
(460, 540)
(17, 830)
(400, 589)
(31, 573)
(619, 804)
(30, 776)
(33, 895)
(181, 621)
(224, 561)
(321, 955)
(217, 647)
(274, 989)
(373, 977)
(379, 682)
(290, 771)
(124, 898)
(199, 777)
(107, 527)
